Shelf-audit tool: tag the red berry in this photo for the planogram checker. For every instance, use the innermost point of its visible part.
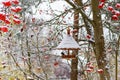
(46, 57)
(91, 66)
(117, 13)
(110, 8)
(7, 21)
(115, 17)
(16, 21)
(4, 28)
(113, 11)
(13, 9)
(75, 31)
(16, 16)
(89, 70)
(7, 3)
(15, 1)
(56, 63)
(33, 20)
(2, 16)
(101, 5)
(102, 0)
(18, 8)
(117, 5)
(100, 71)
(88, 36)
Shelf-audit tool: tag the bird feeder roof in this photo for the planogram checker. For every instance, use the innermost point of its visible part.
(68, 43)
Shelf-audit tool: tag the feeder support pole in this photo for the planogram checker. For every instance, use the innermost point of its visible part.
(74, 62)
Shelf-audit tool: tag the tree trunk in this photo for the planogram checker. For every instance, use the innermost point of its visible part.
(99, 41)
(74, 62)
(74, 71)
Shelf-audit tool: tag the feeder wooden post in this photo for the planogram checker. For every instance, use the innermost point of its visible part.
(74, 62)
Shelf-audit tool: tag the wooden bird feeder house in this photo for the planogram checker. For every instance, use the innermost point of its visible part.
(68, 43)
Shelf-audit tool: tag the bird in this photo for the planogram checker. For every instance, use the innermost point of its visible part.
(62, 53)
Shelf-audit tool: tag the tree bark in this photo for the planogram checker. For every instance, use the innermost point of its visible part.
(74, 62)
(99, 40)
